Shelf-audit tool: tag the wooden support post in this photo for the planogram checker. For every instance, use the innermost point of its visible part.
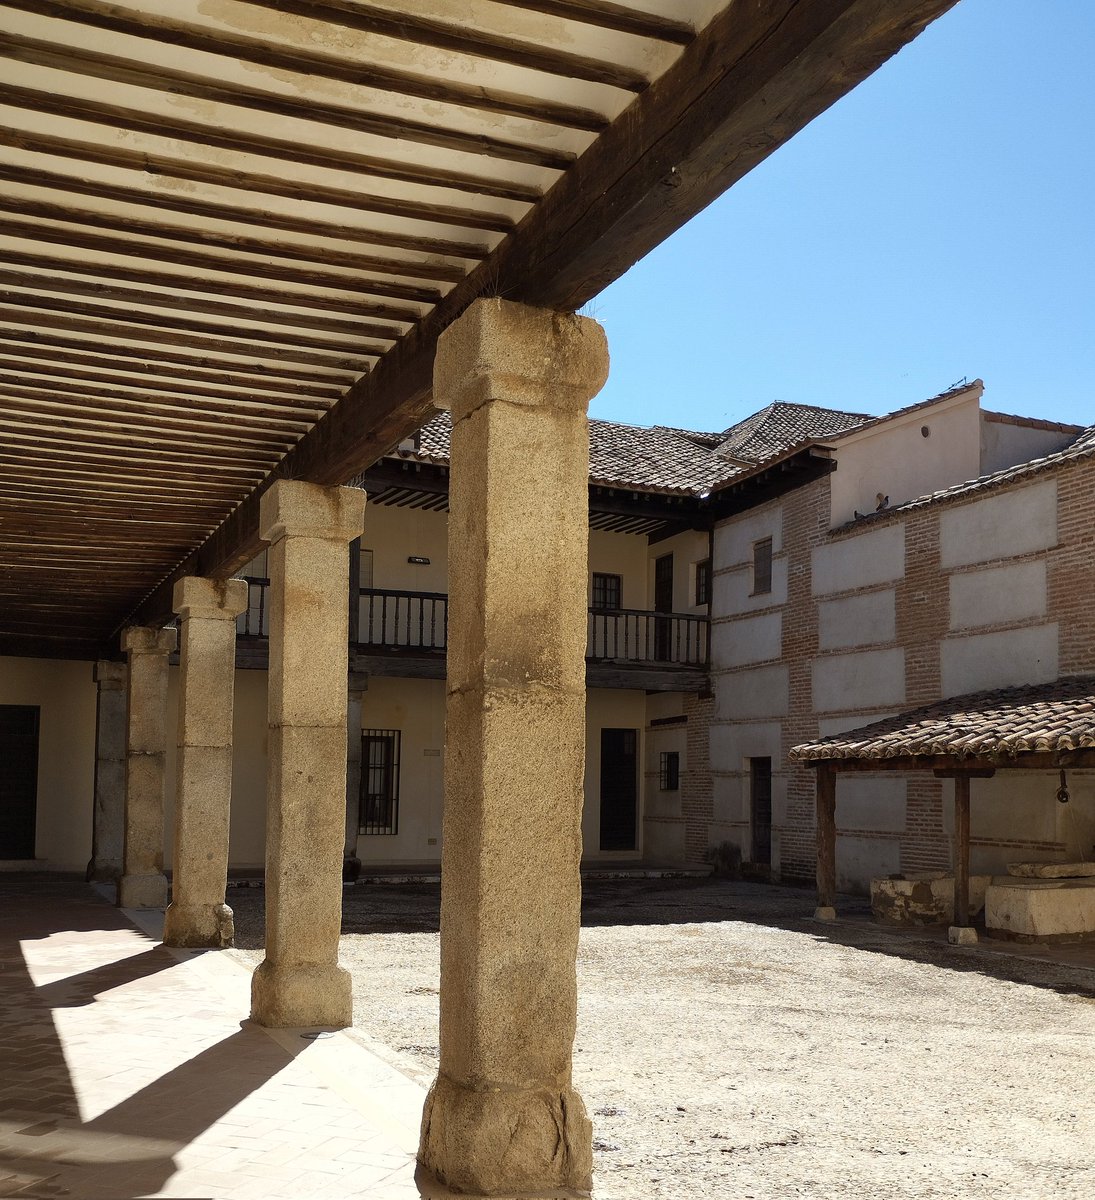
(960, 932)
(354, 597)
(826, 842)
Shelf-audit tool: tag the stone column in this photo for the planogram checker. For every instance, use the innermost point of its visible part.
(143, 884)
(308, 527)
(108, 831)
(357, 686)
(207, 609)
(502, 1117)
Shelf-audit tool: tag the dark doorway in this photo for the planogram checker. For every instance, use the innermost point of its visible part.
(18, 779)
(619, 789)
(663, 603)
(760, 795)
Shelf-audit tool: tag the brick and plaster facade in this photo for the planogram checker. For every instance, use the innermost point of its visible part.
(978, 587)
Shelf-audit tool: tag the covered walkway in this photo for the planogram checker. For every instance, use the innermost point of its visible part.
(128, 1073)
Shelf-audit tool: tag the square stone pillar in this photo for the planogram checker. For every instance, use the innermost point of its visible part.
(502, 1117)
(207, 609)
(108, 829)
(143, 884)
(300, 983)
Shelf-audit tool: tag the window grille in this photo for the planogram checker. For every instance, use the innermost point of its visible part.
(762, 566)
(669, 771)
(703, 582)
(607, 591)
(379, 808)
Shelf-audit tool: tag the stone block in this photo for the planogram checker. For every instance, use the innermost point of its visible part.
(197, 598)
(522, 355)
(1041, 910)
(923, 898)
(1035, 870)
(297, 509)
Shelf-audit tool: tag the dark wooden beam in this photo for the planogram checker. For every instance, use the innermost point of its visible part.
(74, 182)
(116, 69)
(177, 128)
(961, 851)
(753, 77)
(234, 179)
(423, 29)
(826, 837)
(301, 59)
(612, 16)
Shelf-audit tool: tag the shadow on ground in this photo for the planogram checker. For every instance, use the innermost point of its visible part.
(413, 908)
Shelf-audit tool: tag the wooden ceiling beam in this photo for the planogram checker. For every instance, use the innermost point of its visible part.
(612, 16)
(136, 357)
(96, 370)
(353, 294)
(253, 183)
(236, 243)
(177, 128)
(74, 183)
(116, 69)
(174, 330)
(301, 59)
(425, 30)
(165, 296)
(758, 73)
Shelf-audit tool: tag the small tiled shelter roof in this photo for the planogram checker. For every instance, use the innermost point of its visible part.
(1001, 726)
(780, 426)
(654, 459)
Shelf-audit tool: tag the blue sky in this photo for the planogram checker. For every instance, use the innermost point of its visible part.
(935, 224)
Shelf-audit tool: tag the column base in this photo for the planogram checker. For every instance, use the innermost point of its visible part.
(513, 1143)
(295, 997)
(105, 872)
(962, 935)
(142, 891)
(199, 925)
(824, 912)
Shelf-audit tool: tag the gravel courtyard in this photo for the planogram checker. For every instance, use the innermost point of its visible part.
(729, 1047)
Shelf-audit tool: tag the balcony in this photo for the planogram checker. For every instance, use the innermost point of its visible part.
(399, 633)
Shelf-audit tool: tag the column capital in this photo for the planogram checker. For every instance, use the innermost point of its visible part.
(357, 684)
(144, 639)
(209, 599)
(499, 350)
(292, 507)
(109, 675)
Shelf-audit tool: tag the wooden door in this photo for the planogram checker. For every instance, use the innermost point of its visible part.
(619, 789)
(663, 603)
(18, 779)
(760, 789)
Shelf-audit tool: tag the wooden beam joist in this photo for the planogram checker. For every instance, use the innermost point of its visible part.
(177, 128)
(301, 59)
(115, 69)
(752, 78)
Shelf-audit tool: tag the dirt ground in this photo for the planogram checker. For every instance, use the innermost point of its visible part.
(729, 1047)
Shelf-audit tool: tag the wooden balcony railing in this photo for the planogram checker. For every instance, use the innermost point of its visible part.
(401, 620)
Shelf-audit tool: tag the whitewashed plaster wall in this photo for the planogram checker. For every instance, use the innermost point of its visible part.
(1007, 443)
(688, 549)
(895, 458)
(65, 692)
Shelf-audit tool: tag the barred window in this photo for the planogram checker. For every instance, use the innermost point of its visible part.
(379, 806)
(703, 582)
(762, 566)
(669, 771)
(607, 591)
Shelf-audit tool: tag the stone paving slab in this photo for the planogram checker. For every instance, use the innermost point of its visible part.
(128, 1072)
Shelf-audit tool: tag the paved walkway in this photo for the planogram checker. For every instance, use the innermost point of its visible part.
(126, 1070)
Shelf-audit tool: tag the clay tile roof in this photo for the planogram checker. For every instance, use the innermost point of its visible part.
(999, 724)
(626, 456)
(780, 426)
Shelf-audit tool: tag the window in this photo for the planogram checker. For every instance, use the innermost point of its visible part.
(762, 566)
(669, 771)
(379, 807)
(607, 591)
(703, 582)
